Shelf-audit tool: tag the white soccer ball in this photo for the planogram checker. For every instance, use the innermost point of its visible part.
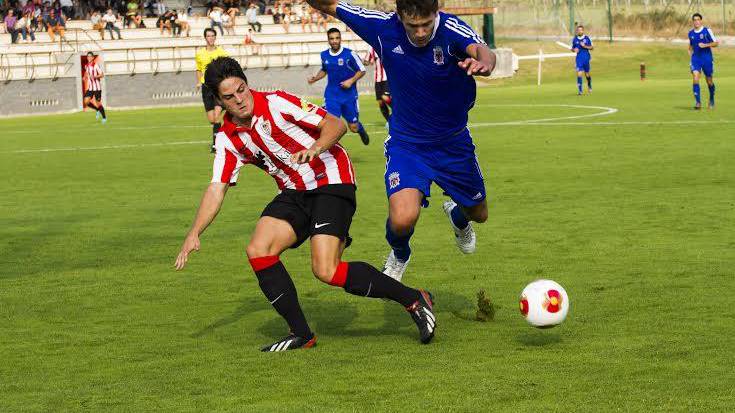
(544, 303)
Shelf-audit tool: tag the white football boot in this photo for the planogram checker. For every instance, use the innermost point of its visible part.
(393, 267)
(466, 238)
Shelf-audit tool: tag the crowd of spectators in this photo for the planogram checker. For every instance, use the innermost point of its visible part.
(24, 18)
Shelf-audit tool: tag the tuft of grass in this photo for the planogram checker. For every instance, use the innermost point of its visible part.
(485, 307)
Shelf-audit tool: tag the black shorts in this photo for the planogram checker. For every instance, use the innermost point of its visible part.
(326, 210)
(381, 89)
(97, 94)
(208, 98)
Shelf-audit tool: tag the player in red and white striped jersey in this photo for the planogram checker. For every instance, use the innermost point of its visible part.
(296, 143)
(93, 83)
(382, 92)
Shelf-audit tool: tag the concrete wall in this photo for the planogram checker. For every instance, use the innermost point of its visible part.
(19, 97)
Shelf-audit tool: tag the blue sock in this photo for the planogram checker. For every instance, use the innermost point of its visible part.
(589, 82)
(458, 218)
(695, 87)
(579, 84)
(400, 245)
(711, 93)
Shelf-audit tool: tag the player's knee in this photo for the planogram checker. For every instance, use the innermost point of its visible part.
(403, 222)
(353, 127)
(257, 249)
(480, 216)
(324, 269)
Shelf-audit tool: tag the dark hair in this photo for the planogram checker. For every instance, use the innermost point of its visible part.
(696, 15)
(209, 29)
(417, 8)
(220, 69)
(333, 30)
(580, 26)
(90, 53)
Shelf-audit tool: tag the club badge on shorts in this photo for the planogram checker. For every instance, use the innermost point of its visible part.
(394, 179)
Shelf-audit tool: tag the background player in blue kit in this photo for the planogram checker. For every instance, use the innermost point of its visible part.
(430, 57)
(701, 42)
(581, 45)
(343, 69)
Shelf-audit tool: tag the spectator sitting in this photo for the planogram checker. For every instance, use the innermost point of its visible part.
(215, 18)
(277, 11)
(97, 23)
(250, 43)
(25, 26)
(110, 20)
(10, 22)
(164, 22)
(228, 23)
(132, 10)
(67, 8)
(182, 22)
(232, 8)
(287, 16)
(252, 17)
(55, 23)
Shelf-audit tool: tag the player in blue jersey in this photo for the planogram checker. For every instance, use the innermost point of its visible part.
(430, 58)
(343, 68)
(581, 45)
(701, 42)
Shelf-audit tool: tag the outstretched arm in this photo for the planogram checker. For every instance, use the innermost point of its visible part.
(324, 6)
(317, 77)
(208, 209)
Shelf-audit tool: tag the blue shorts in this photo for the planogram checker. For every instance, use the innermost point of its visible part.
(451, 164)
(583, 66)
(345, 108)
(707, 67)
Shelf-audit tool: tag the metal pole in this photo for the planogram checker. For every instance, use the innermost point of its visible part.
(571, 17)
(488, 30)
(724, 18)
(609, 20)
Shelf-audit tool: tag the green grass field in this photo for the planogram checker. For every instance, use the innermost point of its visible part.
(633, 212)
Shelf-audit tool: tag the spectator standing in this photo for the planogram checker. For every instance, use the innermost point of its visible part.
(10, 21)
(55, 23)
(110, 20)
(252, 17)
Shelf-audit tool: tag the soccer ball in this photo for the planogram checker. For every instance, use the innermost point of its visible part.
(544, 303)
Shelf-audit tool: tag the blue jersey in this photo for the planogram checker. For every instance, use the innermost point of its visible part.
(431, 94)
(339, 67)
(583, 55)
(704, 35)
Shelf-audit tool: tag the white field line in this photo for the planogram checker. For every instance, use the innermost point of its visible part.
(603, 111)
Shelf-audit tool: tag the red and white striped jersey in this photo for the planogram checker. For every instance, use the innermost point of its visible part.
(380, 75)
(93, 70)
(282, 125)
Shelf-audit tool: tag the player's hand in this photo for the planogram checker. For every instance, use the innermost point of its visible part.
(191, 243)
(306, 155)
(346, 84)
(575, 50)
(311, 80)
(198, 86)
(475, 67)
(702, 45)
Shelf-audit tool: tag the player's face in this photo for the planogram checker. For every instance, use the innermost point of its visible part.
(335, 40)
(236, 97)
(419, 29)
(697, 21)
(580, 31)
(210, 37)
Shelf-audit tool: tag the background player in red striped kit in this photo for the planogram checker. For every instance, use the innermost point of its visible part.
(382, 92)
(93, 81)
(296, 143)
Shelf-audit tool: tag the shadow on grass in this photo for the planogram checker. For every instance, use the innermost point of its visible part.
(336, 318)
(538, 338)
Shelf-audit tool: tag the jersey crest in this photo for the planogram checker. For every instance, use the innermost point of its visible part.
(438, 55)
